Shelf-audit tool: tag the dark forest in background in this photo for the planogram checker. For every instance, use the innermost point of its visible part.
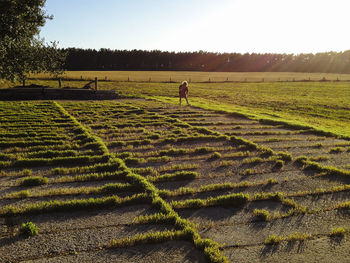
(106, 59)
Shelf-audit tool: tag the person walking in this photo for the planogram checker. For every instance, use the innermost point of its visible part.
(183, 91)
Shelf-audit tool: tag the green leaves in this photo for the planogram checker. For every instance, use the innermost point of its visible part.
(21, 50)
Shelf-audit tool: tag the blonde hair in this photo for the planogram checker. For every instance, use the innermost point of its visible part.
(184, 83)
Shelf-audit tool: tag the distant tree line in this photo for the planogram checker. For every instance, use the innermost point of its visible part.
(106, 59)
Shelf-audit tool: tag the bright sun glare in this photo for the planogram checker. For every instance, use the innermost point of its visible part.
(272, 26)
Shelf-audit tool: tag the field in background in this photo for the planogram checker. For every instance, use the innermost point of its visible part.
(193, 76)
(324, 106)
(321, 105)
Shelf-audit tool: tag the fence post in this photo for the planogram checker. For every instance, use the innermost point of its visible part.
(24, 82)
(149, 80)
(189, 80)
(128, 79)
(96, 83)
(59, 83)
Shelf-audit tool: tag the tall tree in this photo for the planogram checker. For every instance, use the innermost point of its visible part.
(21, 49)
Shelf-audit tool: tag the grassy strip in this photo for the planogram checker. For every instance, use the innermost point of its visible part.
(55, 161)
(51, 154)
(82, 130)
(148, 238)
(151, 171)
(112, 165)
(325, 170)
(235, 200)
(33, 181)
(240, 199)
(90, 177)
(154, 219)
(8, 144)
(72, 205)
(72, 146)
(213, 187)
(338, 231)
(105, 189)
(274, 240)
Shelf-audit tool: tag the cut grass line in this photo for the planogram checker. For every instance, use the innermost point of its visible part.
(234, 200)
(178, 176)
(107, 188)
(213, 187)
(76, 204)
(148, 238)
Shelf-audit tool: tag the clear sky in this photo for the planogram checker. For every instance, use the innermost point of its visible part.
(260, 26)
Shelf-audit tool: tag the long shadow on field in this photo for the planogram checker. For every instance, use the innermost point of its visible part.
(269, 250)
(9, 240)
(336, 240)
(180, 249)
(83, 217)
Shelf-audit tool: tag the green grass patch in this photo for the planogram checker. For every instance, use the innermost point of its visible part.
(29, 229)
(234, 200)
(262, 214)
(273, 240)
(33, 181)
(72, 205)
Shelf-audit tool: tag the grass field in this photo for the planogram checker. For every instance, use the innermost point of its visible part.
(320, 105)
(324, 106)
(193, 76)
(143, 180)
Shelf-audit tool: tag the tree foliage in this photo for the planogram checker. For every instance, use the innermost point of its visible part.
(106, 59)
(21, 49)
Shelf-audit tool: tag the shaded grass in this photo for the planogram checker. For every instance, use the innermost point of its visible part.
(235, 200)
(72, 205)
(33, 181)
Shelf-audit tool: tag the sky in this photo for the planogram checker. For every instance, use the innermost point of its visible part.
(242, 26)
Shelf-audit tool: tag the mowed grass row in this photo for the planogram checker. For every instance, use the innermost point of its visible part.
(41, 134)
